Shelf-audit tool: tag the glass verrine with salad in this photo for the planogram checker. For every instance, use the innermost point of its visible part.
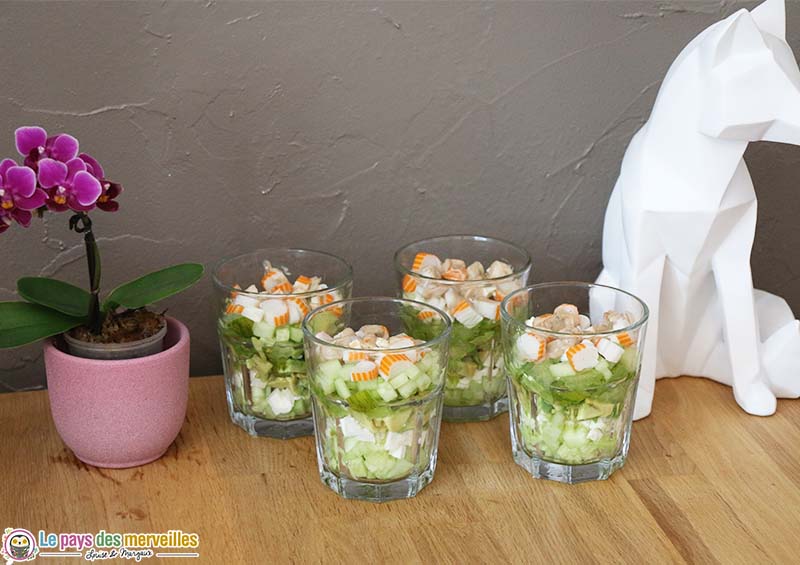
(261, 299)
(377, 396)
(467, 276)
(573, 353)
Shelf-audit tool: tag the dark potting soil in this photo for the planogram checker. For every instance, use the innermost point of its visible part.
(123, 327)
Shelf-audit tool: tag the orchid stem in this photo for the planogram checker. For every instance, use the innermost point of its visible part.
(95, 321)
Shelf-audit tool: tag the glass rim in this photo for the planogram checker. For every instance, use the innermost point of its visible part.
(506, 315)
(365, 299)
(347, 279)
(484, 238)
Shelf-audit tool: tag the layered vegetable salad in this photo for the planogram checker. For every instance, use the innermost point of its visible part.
(376, 409)
(475, 373)
(571, 393)
(263, 344)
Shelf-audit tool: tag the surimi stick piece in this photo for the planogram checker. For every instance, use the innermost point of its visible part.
(234, 294)
(624, 339)
(282, 288)
(354, 356)
(531, 346)
(272, 278)
(394, 363)
(425, 315)
(364, 371)
(234, 309)
(276, 312)
(466, 314)
(301, 284)
(423, 260)
(582, 356)
(455, 275)
(297, 309)
(409, 283)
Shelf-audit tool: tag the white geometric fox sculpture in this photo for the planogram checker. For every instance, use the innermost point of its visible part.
(680, 224)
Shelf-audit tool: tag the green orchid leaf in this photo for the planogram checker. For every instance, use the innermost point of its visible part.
(151, 288)
(22, 323)
(58, 295)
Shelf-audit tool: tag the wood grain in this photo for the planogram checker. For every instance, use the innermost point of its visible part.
(704, 483)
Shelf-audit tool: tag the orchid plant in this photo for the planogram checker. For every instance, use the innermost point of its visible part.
(55, 176)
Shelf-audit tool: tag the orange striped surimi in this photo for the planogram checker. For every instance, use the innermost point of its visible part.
(282, 288)
(466, 314)
(300, 303)
(235, 294)
(582, 356)
(271, 279)
(426, 315)
(364, 371)
(624, 339)
(354, 356)
(531, 346)
(409, 283)
(297, 309)
(393, 363)
(234, 309)
(461, 306)
(301, 284)
(455, 275)
(276, 312)
(422, 260)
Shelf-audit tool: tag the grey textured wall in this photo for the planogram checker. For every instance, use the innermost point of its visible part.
(350, 127)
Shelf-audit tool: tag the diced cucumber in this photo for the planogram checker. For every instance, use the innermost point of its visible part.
(325, 322)
(399, 381)
(411, 372)
(603, 368)
(423, 381)
(282, 334)
(263, 330)
(628, 359)
(408, 389)
(331, 368)
(296, 334)
(326, 382)
(387, 392)
(561, 370)
(342, 389)
(367, 385)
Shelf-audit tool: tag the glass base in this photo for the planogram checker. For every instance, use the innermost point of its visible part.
(570, 474)
(279, 429)
(477, 413)
(376, 492)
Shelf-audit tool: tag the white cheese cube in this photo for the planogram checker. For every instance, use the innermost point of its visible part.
(281, 401)
(351, 428)
(252, 313)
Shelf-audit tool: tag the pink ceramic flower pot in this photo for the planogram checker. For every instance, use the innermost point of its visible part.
(120, 413)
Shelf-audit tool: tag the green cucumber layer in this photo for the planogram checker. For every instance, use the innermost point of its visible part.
(573, 418)
(260, 359)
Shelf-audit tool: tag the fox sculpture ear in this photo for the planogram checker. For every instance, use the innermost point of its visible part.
(739, 36)
(770, 17)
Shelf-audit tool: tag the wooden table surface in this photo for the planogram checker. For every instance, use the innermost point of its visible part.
(704, 483)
